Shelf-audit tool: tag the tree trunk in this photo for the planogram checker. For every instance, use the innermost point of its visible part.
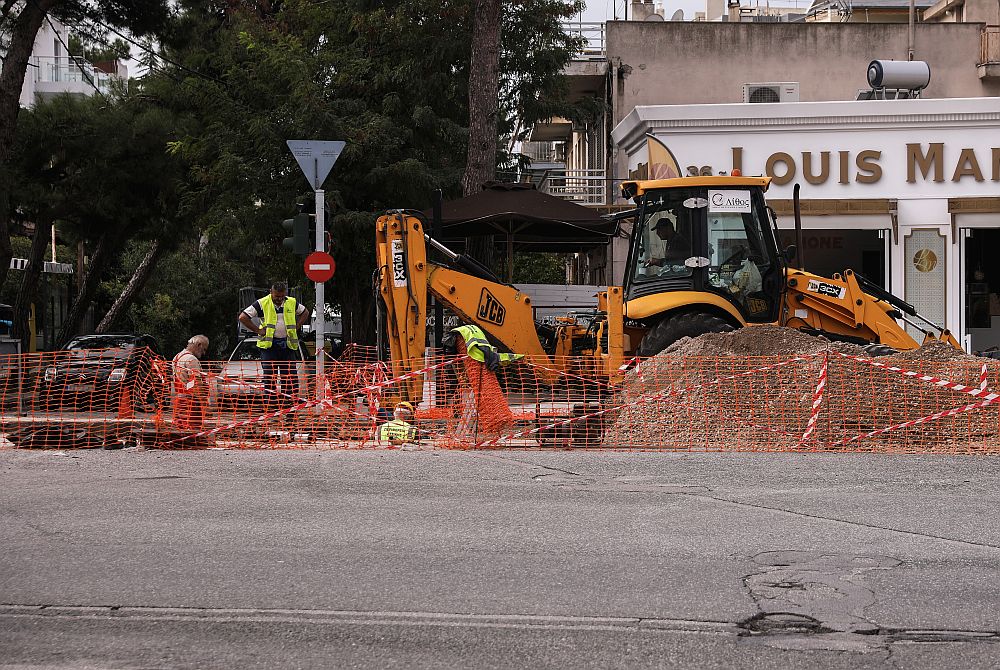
(484, 72)
(134, 287)
(28, 291)
(100, 259)
(22, 41)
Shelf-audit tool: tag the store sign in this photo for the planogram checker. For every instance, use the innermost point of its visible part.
(902, 162)
(924, 163)
(729, 201)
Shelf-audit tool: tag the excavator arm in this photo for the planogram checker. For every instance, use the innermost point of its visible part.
(851, 307)
(405, 277)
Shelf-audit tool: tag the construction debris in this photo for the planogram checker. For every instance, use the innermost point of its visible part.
(744, 389)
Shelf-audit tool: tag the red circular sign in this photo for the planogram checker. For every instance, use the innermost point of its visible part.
(320, 266)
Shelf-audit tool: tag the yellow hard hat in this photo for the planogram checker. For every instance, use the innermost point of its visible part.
(405, 405)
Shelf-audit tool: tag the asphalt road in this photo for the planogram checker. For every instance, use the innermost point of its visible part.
(223, 559)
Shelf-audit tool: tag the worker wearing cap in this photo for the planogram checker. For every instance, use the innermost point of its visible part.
(677, 248)
(399, 430)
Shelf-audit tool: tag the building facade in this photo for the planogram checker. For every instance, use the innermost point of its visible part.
(785, 98)
(906, 192)
(53, 71)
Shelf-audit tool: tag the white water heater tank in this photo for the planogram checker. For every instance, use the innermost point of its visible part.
(908, 75)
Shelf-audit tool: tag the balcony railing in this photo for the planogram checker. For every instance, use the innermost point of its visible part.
(593, 35)
(72, 70)
(584, 187)
(989, 41)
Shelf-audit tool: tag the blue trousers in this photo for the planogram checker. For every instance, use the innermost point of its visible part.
(279, 364)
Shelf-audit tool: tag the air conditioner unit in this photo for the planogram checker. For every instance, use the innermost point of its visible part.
(778, 92)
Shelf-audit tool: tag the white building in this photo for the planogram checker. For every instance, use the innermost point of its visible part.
(52, 71)
(905, 192)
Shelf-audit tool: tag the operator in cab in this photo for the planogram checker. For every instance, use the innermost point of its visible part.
(669, 248)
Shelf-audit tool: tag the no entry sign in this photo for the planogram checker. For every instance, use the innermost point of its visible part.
(320, 266)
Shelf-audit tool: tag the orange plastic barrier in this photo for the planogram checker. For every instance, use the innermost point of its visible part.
(825, 402)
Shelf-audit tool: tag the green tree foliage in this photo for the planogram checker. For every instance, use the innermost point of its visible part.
(20, 22)
(539, 268)
(196, 154)
(98, 168)
(390, 78)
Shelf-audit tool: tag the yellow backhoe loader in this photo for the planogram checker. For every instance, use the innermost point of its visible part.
(703, 257)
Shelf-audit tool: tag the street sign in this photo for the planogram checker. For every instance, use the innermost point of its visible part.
(316, 158)
(320, 266)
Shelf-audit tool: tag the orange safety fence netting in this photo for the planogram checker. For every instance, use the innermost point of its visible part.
(817, 402)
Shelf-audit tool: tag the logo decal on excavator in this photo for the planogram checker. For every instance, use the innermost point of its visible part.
(756, 305)
(490, 309)
(398, 266)
(823, 288)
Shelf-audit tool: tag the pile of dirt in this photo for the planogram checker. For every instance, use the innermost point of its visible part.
(936, 351)
(764, 340)
(738, 391)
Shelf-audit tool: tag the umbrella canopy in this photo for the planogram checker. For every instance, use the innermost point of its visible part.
(527, 218)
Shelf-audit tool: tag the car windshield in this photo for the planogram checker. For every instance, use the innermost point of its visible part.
(246, 351)
(103, 348)
(102, 343)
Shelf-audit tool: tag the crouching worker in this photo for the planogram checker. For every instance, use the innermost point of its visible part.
(190, 387)
(399, 431)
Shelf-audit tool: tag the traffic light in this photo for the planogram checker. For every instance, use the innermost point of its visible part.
(302, 227)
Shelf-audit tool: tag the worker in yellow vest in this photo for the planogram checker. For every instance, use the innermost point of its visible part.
(399, 431)
(479, 348)
(484, 403)
(281, 317)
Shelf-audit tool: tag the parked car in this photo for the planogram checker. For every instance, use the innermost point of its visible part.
(90, 371)
(242, 375)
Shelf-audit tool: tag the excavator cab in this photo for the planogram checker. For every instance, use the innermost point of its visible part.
(706, 243)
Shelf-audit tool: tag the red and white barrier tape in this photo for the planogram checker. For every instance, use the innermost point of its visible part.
(817, 400)
(916, 422)
(564, 373)
(979, 392)
(625, 366)
(984, 377)
(313, 403)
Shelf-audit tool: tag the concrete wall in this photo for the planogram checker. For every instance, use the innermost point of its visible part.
(987, 11)
(690, 63)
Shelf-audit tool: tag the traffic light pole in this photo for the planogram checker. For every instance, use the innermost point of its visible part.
(320, 326)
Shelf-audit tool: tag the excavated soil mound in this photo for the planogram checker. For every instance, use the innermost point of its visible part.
(756, 341)
(743, 390)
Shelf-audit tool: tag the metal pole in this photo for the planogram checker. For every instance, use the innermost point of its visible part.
(320, 327)
(436, 234)
(909, 34)
(797, 210)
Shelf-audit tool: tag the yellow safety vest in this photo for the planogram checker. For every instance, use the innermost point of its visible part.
(270, 321)
(397, 430)
(475, 341)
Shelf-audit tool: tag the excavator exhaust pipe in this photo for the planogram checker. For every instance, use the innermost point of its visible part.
(797, 209)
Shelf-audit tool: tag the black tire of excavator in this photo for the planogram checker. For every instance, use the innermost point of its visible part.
(875, 350)
(675, 326)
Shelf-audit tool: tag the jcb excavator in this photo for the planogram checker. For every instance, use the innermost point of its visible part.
(703, 257)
